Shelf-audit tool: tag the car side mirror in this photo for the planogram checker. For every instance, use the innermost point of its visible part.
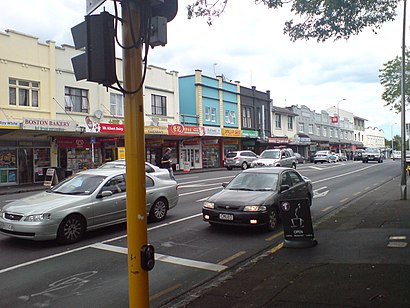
(224, 184)
(284, 187)
(105, 193)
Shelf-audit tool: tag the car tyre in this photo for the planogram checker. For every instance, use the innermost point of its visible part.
(159, 210)
(273, 220)
(244, 165)
(229, 168)
(71, 229)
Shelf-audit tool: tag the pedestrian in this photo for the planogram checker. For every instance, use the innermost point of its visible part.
(166, 163)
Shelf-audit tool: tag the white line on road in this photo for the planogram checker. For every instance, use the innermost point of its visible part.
(169, 259)
(199, 191)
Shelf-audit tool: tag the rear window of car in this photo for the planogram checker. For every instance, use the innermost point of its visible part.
(231, 154)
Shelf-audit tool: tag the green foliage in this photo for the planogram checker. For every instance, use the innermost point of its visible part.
(390, 79)
(320, 19)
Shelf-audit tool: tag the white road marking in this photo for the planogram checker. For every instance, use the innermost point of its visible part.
(199, 191)
(328, 208)
(207, 180)
(201, 200)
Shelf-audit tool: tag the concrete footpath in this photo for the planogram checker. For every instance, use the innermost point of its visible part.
(362, 260)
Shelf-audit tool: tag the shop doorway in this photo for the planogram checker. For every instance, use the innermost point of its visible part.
(25, 165)
(190, 155)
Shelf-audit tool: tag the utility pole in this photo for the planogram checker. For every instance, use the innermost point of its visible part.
(403, 186)
(135, 157)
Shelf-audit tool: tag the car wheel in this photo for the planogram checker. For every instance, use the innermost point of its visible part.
(158, 210)
(272, 220)
(229, 168)
(71, 229)
(244, 165)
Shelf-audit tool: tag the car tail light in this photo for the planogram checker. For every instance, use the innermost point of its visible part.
(236, 158)
(177, 187)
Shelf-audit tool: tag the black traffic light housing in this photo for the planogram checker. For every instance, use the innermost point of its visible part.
(167, 9)
(96, 35)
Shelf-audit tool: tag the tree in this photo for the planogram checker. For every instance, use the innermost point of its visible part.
(390, 78)
(320, 19)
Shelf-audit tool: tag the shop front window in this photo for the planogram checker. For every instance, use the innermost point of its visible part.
(8, 166)
(211, 155)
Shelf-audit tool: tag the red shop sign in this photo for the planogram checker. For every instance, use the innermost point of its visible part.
(76, 143)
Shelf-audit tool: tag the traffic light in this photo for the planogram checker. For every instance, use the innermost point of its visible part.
(166, 8)
(96, 35)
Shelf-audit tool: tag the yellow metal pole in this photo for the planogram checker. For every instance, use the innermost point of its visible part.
(135, 157)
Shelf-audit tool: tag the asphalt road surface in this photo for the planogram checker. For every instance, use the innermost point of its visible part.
(189, 252)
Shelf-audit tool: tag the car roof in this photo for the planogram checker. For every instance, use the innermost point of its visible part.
(272, 170)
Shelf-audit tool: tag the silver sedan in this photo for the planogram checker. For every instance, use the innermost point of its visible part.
(89, 200)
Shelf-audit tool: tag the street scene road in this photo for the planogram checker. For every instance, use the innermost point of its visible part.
(189, 252)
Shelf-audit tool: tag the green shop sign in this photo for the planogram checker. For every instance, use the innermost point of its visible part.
(250, 133)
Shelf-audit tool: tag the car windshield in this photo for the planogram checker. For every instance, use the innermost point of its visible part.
(254, 182)
(81, 184)
(270, 154)
(372, 150)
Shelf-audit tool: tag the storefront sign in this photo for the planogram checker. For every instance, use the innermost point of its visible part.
(210, 141)
(9, 125)
(212, 131)
(231, 132)
(181, 130)
(297, 223)
(232, 141)
(156, 130)
(49, 125)
(121, 153)
(278, 140)
(249, 133)
(111, 128)
(334, 120)
(75, 143)
(304, 139)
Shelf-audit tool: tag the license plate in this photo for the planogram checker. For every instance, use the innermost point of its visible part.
(8, 227)
(225, 216)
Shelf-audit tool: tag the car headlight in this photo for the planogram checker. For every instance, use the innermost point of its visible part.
(209, 205)
(38, 217)
(254, 208)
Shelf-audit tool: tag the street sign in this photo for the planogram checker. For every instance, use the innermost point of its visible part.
(92, 5)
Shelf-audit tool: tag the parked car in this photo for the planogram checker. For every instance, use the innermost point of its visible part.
(239, 159)
(276, 158)
(252, 197)
(357, 155)
(299, 158)
(396, 155)
(372, 154)
(149, 168)
(325, 157)
(89, 200)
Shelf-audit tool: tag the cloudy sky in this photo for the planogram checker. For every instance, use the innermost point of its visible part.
(247, 44)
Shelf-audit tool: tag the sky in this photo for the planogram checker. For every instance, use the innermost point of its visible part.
(247, 44)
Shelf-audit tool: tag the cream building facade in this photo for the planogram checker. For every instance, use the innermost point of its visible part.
(48, 119)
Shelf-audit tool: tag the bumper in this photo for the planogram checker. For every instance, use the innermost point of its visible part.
(235, 164)
(239, 218)
(31, 231)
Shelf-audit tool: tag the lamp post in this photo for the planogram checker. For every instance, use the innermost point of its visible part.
(338, 121)
(403, 184)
